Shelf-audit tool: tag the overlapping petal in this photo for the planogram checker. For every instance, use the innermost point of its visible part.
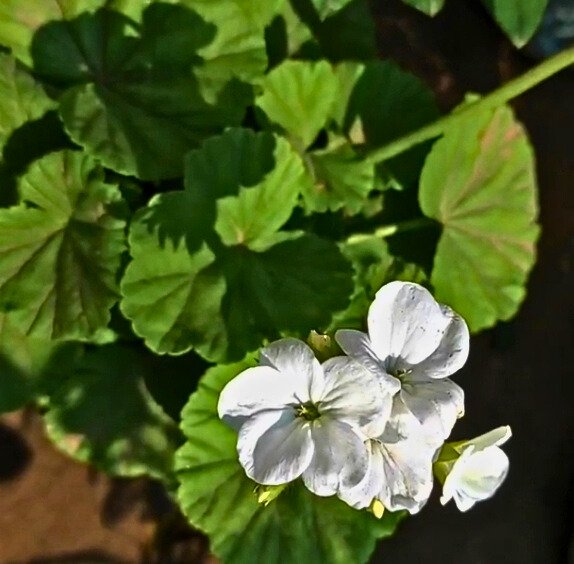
(275, 447)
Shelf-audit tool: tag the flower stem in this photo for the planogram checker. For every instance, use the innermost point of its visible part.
(387, 230)
(497, 98)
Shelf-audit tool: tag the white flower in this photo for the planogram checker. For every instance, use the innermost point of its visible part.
(298, 418)
(413, 344)
(479, 471)
(399, 471)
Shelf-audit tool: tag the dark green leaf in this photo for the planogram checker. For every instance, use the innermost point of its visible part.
(219, 499)
(479, 182)
(104, 415)
(429, 7)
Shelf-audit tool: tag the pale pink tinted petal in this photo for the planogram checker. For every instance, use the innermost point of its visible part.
(437, 404)
(358, 346)
(275, 447)
(451, 353)
(295, 358)
(406, 324)
(339, 459)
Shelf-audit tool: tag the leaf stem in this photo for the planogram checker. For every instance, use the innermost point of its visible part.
(500, 96)
(387, 230)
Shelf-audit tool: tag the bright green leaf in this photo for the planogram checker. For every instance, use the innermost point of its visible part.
(298, 95)
(60, 250)
(103, 414)
(21, 98)
(132, 97)
(479, 182)
(429, 7)
(518, 18)
(219, 499)
(341, 179)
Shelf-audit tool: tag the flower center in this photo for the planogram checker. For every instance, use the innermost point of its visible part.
(400, 373)
(308, 411)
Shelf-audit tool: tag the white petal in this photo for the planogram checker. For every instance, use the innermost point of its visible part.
(496, 437)
(362, 495)
(451, 353)
(437, 404)
(406, 323)
(275, 447)
(339, 458)
(354, 395)
(294, 357)
(408, 481)
(475, 476)
(254, 390)
(357, 345)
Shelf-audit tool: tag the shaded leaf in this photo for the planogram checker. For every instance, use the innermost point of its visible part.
(518, 18)
(60, 250)
(103, 414)
(132, 98)
(429, 7)
(328, 7)
(219, 499)
(479, 182)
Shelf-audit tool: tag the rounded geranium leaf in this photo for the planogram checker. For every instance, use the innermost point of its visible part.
(479, 182)
(60, 250)
(298, 96)
(217, 497)
(139, 95)
(103, 414)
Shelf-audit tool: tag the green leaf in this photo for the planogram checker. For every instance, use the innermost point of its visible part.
(342, 179)
(21, 98)
(374, 266)
(298, 96)
(139, 96)
(326, 8)
(518, 18)
(20, 19)
(479, 182)
(429, 7)
(104, 415)
(211, 271)
(219, 499)
(60, 250)
(388, 103)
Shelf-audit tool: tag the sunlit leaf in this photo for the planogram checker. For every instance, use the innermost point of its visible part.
(328, 7)
(479, 182)
(518, 18)
(60, 250)
(219, 499)
(104, 415)
(298, 96)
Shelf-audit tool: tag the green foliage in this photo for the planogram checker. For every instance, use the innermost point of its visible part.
(429, 7)
(210, 269)
(518, 18)
(236, 145)
(103, 414)
(219, 499)
(479, 182)
(60, 250)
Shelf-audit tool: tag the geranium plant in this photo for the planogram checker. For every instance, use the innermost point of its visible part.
(235, 206)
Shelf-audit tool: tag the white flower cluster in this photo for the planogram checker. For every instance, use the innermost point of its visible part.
(368, 426)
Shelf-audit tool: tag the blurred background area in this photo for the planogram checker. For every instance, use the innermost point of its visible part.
(521, 373)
